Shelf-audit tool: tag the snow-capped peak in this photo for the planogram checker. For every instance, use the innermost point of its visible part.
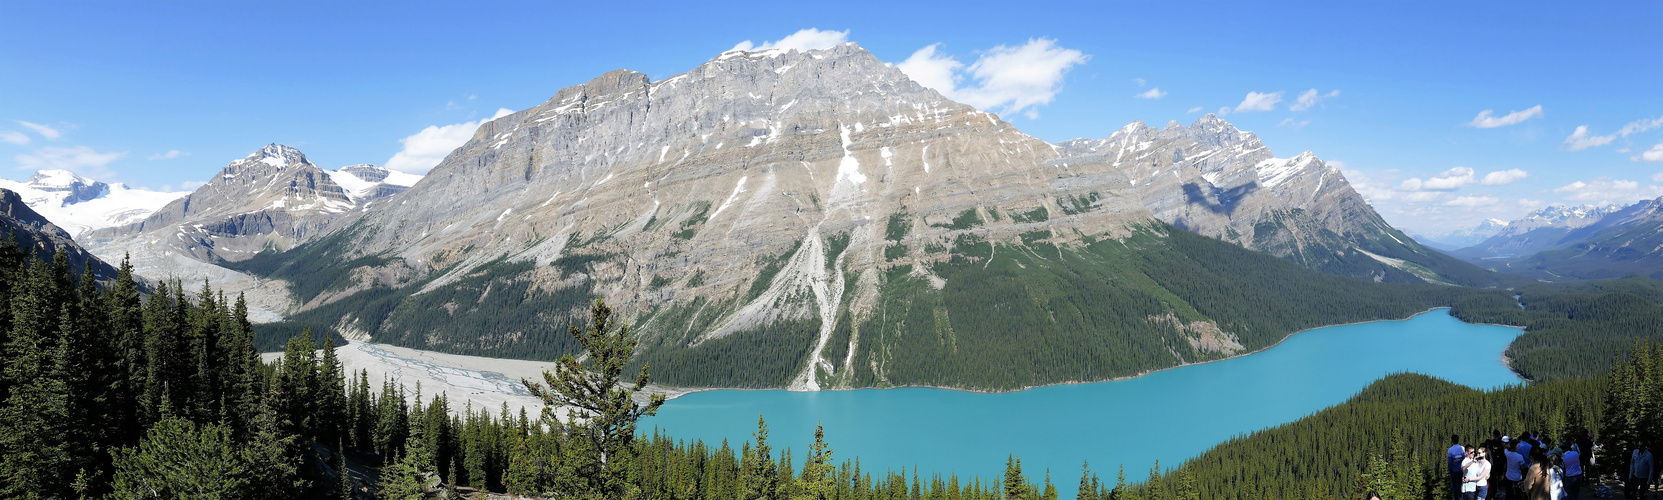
(78, 204)
(278, 155)
(58, 179)
(1558, 213)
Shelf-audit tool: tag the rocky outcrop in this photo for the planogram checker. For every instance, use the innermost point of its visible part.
(43, 239)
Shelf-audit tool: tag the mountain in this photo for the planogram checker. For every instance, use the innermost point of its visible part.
(272, 199)
(1218, 181)
(1543, 229)
(78, 204)
(42, 238)
(1622, 242)
(810, 220)
(1462, 238)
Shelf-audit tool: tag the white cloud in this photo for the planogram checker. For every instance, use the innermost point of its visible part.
(1141, 82)
(1653, 154)
(1310, 98)
(1485, 119)
(1482, 200)
(1605, 190)
(1657, 177)
(932, 70)
(425, 149)
(1448, 180)
(170, 154)
(1259, 102)
(13, 137)
(808, 39)
(1196, 109)
(1580, 140)
(1640, 125)
(1504, 177)
(1152, 93)
(79, 159)
(1529, 204)
(1012, 79)
(44, 131)
(1290, 122)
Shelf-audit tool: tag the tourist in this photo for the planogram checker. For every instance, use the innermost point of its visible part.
(1471, 473)
(1573, 471)
(1515, 471)
(1498, 468)
(1639, 470)
(1656, 450)
(1483, 473)
(1538, 481)
(1457, 454)
(1371, 496)
(1492, 447)
(1526, 443)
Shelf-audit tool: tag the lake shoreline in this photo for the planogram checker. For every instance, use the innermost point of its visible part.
(489, 364)
(1505, 361)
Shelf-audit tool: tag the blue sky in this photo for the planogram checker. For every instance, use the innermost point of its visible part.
(164, 95)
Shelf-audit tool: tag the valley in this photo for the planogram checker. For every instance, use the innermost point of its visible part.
(892, 249)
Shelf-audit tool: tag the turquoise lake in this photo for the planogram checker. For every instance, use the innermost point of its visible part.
(1171, 415)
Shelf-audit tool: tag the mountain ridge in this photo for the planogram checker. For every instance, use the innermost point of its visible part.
(782, 219)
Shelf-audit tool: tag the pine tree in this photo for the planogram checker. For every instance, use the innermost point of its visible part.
(759, 474)
(603, 411)
(522, 477)
(1088, 487)
(132, 368)
(408, 478)
(330, 400)
(817, 481)
(1015, 486)
(33, 444)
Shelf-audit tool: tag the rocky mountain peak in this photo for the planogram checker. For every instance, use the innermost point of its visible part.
(365, 171)
(74, 188)
(278, 156)
(1215, 179)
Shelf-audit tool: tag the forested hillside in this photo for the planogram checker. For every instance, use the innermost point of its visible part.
(1390, 437)
(1572, 330)
(993, 315)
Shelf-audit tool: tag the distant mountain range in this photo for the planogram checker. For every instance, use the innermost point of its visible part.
(1574, 242)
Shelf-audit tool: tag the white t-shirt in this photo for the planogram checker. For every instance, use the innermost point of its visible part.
(1473, 472)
